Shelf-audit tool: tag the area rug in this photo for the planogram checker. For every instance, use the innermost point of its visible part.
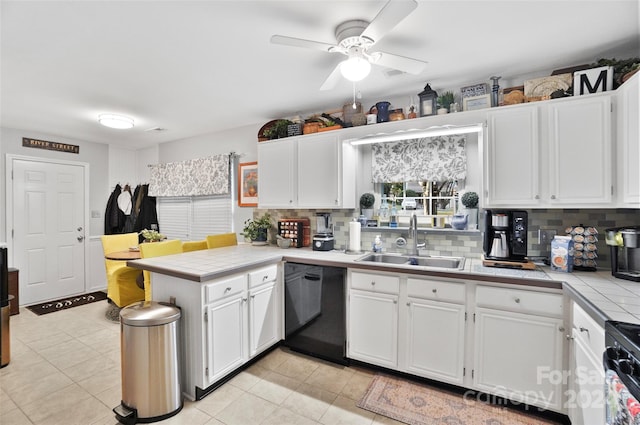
(65, 303)
(113, 313)
(417, 404)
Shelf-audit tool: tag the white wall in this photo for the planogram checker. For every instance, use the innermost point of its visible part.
(90, 153)
(243, 141)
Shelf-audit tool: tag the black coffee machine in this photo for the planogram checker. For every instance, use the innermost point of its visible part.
(505, 238)
(625, 252)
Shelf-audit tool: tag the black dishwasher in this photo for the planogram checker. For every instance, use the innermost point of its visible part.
(315, 311)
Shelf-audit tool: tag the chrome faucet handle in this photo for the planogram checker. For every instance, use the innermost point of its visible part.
(421, 245)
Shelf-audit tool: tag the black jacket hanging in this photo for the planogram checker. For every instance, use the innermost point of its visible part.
(147, 216)
(114, 218)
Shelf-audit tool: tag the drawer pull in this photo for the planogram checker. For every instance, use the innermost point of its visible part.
(517, 300)
(408, 304)
(227, 289)
(373, 282)
(434, 290)
(584, 329)
(265, 277)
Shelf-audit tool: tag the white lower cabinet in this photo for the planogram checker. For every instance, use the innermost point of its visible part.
(585, 398)
(225, 336)
(514, 346)
(434, 330)
(372, 332)
(518, 345)
(263, 317)
(225, 322)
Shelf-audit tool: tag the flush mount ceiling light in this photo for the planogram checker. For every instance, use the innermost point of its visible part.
(115, 121)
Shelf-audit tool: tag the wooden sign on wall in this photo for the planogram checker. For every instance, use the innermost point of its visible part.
(52, 146)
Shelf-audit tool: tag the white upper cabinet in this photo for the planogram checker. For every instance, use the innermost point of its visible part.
(306, 172)
(580, 168)
(550, 154)
(511, 157)
(628, 146)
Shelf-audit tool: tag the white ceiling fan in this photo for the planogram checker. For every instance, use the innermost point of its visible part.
(355, 38)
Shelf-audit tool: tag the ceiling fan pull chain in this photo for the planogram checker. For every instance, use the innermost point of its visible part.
(354, 106)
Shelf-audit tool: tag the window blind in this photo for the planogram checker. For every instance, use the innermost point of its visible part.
(193, 218)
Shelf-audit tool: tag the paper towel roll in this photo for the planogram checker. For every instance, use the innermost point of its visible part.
(354, 236)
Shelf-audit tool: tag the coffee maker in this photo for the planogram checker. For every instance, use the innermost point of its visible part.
(625, 252)
(505, 238)
(323, 239)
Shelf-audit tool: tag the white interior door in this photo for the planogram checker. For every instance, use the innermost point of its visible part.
(48, 229)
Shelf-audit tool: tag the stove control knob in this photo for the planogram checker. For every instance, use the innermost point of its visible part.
(613, 353)
(625, 366)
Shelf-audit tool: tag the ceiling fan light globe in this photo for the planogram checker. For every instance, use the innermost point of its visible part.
(115, 121)
(355, 68)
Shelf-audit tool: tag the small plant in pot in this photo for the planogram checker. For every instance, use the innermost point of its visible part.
(470, 202)
(366, 204)
(257, 229)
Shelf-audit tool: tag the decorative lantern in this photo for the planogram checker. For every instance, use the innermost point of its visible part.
(428, 101)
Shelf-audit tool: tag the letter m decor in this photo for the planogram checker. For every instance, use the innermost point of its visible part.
(593, 80)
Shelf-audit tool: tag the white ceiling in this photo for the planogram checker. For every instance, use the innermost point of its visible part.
(195, 67)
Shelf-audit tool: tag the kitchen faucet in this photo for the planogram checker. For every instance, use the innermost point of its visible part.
(413, 236)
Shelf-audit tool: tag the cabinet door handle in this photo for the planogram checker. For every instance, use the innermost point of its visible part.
(561, 329)
(244, 300)
(584, 330)
(408, 304)
(553, 196)
(253, 296)
(373, 282)
(395, 301)
(265, 277)
(434, 290)
(517, 300)
(227, 289)
(537, 196)
(569, 337)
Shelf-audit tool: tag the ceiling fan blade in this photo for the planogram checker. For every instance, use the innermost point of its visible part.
(299, 42)
(332, 79)
(391, 14)
(401, 63)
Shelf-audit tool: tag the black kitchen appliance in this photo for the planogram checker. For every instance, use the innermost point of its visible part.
(621, 361)
(624, 243)
(5, 338)
(323, 240)
(505, 238)
(314, 311)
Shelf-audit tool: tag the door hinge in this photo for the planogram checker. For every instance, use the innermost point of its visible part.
(474, 318)
(464, 371)
(206, 371)
(206, 316)
(472, 373)
(612, 189)
(465, 316)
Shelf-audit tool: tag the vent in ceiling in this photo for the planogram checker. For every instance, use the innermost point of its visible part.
(389, 73)
(156, 129)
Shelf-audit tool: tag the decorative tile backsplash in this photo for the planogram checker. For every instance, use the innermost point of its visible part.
(469, 244)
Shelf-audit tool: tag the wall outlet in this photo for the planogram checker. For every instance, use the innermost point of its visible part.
(545, 236)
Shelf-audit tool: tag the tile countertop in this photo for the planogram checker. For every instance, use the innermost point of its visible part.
(605, 297)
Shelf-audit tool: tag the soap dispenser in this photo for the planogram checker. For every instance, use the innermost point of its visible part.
(377, 244)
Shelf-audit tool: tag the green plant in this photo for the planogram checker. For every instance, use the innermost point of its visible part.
(254, 227)
(470, 199)
(445, 99)
(278, 130)
(151, 235)
(367, 200)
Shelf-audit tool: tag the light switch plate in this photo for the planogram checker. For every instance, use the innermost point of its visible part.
(545, 236)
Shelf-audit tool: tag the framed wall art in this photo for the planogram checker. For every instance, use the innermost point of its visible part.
(476, 102)
(248, 184)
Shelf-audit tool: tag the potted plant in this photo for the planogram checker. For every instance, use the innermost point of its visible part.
(366, 204)
(257, 229)
(470, 202)
(444, 102)
(151, 235)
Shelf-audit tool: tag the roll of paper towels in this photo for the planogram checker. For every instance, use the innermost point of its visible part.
(354, 236)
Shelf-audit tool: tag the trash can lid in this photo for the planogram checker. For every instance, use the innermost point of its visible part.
(149, 313)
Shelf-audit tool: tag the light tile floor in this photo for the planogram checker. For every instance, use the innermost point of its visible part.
(65, 369)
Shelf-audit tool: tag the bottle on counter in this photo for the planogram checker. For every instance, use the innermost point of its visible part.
(393, 218)
(377, 244)
(383, 212)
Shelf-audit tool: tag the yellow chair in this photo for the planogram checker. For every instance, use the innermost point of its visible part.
(222, 239)
(122, 288)
(157, 249)
(189, 246)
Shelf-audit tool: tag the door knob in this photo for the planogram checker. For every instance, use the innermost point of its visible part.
(80, 238)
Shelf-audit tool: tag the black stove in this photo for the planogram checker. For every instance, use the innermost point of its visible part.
(623, 353)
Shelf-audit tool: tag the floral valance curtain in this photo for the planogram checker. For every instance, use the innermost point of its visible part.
(193, 177)
(428, 159)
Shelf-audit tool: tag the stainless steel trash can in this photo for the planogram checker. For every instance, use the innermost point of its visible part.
(149, 336)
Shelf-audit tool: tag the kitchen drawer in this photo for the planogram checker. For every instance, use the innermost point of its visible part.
(224, 288)
(519, 300)
(588, 330)
(375, 282)
(436, 290)
(263, 275)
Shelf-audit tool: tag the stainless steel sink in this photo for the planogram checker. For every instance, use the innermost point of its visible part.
(411, 261)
